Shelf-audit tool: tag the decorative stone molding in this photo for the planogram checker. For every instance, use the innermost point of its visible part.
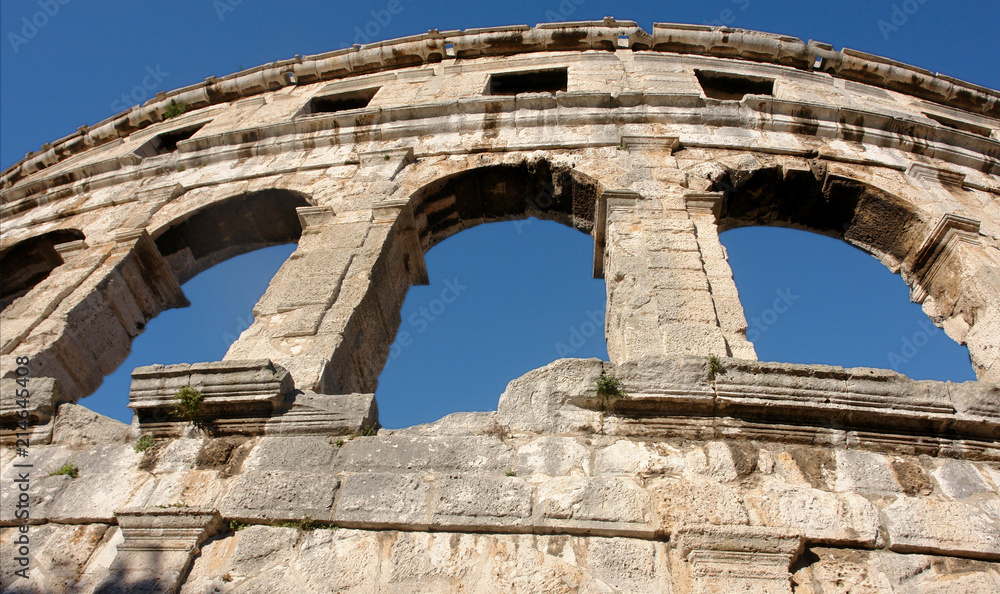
(231, 390)
(928, 175)
(669, 144)
(158, 547)
(704, 203)
(33, 421)
(939, 248)
(738, 558)
(314, 216)
(609, 201)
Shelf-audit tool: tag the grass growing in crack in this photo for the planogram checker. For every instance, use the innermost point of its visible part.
(188, 403)
(236, 526)
(715, 366)
(68, 469)
(144, 443)
(174, 109)
(609, 386)
(509, 472)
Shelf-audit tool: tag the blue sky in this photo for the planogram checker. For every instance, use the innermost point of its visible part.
(66, 63)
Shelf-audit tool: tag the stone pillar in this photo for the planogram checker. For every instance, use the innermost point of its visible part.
(704, 210)
(956, 275)
(332, 310)
(664, 268)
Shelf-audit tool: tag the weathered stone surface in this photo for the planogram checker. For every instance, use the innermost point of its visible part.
(708, 475)
(76, 426)
(944, 528)
(550, 399)
(274, 495)
(383, 500)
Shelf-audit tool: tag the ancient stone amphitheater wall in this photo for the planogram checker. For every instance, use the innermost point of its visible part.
(715, 472)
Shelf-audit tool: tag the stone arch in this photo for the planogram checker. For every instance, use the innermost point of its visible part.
(30, 261)
(227, 228)
(531, 188)
(929, 254)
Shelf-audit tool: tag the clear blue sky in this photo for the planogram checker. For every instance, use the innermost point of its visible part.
(72, 68)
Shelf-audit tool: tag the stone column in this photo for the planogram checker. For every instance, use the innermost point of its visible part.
(332, 310)
(665, 271)
(704, 209)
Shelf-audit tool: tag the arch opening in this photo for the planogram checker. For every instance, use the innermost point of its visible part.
(229, 228)
(222, 298)
(857, 213)
(504, 298)
(501, 193)
(29, 262)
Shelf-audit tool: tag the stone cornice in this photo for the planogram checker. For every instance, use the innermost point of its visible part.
(607, 35)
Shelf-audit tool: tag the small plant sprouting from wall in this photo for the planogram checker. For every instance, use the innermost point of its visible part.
(143, 443)
(188, 403)
(715, 366)
(174, 109)
(67, 469)
(609, 386)
(307, 524)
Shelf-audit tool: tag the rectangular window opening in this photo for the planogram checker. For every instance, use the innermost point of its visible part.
(340, 102)
(165, 143)
(537, 81)
(732, 87)
(959, 125)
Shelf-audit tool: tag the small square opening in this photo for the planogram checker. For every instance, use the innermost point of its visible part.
(340, 102)
(960, 125)
(536, 81)
(161, 144)
(732, 87)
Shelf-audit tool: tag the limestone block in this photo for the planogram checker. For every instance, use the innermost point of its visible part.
(942, 527)
(696, 502)
(852, 570)
(554, 456)
(306, 454)
(476, 501)
(548, 400)
(912, 574)
(43, 396)
(192, 488)
(960, 480)
(58, 555)
(276, 495)
(610, 505)
(686, 339)
(348, 558)
(383, 500)
(441, 454)
(628, 457)
(821, 517)
(77, 426)
(863, 472)
(107, 481)
(178, 455)
(685, 306)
